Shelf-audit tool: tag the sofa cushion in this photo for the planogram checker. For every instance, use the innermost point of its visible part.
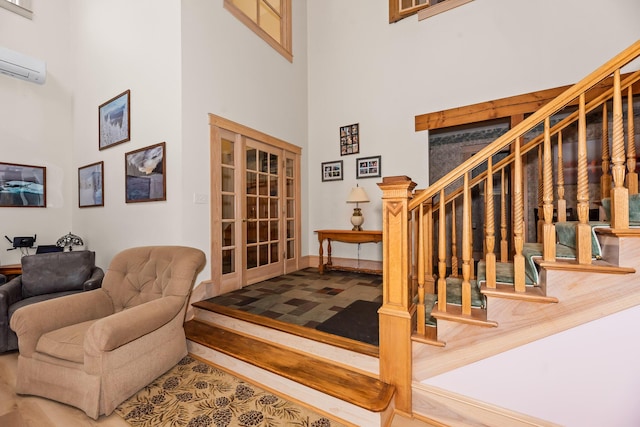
(65, 343)
(55, 272)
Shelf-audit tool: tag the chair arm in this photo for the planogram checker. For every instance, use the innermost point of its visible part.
(130, 324)
(32, 321)
(10, 293)
(95, 281)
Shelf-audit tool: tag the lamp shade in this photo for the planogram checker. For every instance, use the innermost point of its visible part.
(358, 195)
(69, 240)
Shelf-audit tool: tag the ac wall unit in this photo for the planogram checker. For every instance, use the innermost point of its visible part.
(21, 66)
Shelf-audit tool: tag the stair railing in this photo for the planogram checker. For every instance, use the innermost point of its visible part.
(415, 223)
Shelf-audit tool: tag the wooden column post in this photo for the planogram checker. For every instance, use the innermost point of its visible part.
(398, 310)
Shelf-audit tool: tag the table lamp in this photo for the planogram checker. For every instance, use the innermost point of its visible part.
(357, 195)
(69, 240)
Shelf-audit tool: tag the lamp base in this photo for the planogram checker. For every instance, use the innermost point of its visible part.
(357, 219)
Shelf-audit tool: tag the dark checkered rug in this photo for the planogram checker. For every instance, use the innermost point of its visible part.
(304, 297)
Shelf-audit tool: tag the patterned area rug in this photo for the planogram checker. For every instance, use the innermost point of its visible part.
(196, 394)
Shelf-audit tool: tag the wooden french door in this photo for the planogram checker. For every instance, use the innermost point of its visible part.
(255, 205)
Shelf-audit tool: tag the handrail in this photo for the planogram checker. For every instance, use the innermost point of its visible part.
(517, 131)
(561, 125)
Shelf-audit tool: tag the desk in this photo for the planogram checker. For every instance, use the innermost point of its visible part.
(346, 236)
(11, 270)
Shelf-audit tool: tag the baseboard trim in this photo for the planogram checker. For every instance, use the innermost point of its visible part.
(454, 409)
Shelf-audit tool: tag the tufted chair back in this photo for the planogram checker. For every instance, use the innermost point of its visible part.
(139, 275)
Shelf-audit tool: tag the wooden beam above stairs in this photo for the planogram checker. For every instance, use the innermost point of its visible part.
(502, 108)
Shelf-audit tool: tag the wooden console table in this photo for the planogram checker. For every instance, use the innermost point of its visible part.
(346, 236)
(11, 269)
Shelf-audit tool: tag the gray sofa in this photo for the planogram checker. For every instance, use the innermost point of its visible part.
(45, 276)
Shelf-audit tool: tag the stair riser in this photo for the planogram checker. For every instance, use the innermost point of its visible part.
(293, 390)
(356, 361)
(620, 251)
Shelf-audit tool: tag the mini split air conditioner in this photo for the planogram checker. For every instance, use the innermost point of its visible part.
(21, 66)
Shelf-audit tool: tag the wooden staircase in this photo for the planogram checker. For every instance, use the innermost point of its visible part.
(420, 257)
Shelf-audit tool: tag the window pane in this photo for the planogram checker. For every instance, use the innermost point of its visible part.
(251, 159)
(227, 152)
(263, 189)
(273, 186)
(228, 262)
(264, 207)
(227, 179)
(252, 257)
(227, 234)
(264, 161)
(275, 235)
(291, 251)
(273, 164)
(264, 254)
(289, 208)
(290, 229)
(227, 207)
(248, 7)
(252, 210)
(252, 184)
(274, 252)
(289, 188)
(252, 232)
(273, 211)
(269, 21)
(289, 168)
(264, 231)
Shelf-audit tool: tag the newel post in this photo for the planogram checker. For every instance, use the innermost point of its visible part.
(398, 309)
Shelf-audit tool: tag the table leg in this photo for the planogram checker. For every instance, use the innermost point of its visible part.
(329, 252)
(320, 256)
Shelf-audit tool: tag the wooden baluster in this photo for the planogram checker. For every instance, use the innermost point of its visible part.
(605, 179)
(472, 272)
(549, 229)
(442, 255)
(427, 224)
(454, 240)
(420, 243)
(504, 245)
(619, 194)
(490, 239)
(466, 247)
(518, 222)
(540, 222)
(583, 229)
(562, 203)
(632, 176)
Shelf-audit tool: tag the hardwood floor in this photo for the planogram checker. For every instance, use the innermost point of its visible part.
(30, 411)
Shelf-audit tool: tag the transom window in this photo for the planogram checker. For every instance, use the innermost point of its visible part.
(21, 7)
(269, 19)
(400, 9)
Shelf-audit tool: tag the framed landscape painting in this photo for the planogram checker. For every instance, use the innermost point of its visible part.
(114, 121)
(23, 186)
(90, 185)
(145, 177)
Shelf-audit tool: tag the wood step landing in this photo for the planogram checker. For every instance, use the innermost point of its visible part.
(334, 380)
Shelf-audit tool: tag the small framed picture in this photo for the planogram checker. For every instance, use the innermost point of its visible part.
(145, 176)
(90, 185)
(349, 139)
(114, 121)
(23, 186)
(368, 167)
(332, 171)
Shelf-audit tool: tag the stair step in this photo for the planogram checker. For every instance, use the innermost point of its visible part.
(596, 266)
(531, 293)
(478, 316)
(353, 387)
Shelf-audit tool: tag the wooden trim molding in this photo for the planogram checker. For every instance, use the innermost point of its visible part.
(440, 8)
(504, 107)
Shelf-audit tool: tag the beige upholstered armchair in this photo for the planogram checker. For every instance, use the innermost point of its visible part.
(95, 349)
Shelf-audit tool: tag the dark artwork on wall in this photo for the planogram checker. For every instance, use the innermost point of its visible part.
(350, 139)
(22, 186)
(146, 174)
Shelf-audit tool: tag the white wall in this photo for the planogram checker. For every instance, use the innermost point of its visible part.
(583, 377)
(363, 70)
(36, 123)
(230, 72)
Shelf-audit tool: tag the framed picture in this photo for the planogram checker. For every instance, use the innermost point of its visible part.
(114, 121)
(23, 186)
(349, 139)
(332, 171)
(145, 178)
(368, 167)
(90, 185)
